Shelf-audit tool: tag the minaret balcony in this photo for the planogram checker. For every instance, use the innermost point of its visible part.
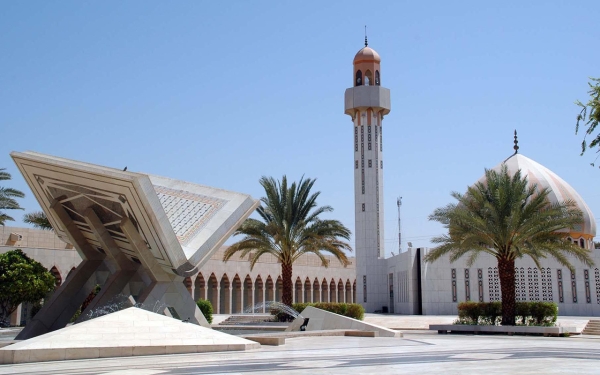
(363, 97)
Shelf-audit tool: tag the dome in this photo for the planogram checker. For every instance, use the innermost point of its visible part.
(559, 189)
(367, 54)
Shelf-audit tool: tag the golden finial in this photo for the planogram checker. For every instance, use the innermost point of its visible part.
(516, 146)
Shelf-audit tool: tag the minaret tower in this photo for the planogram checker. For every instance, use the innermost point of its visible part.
(367, 102)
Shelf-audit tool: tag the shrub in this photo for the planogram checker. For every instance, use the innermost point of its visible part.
(527, 313)
(207, 310)
(469, 312)
(351, 310)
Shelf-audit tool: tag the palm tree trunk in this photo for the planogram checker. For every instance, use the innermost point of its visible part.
(286, 275)
(506, 270)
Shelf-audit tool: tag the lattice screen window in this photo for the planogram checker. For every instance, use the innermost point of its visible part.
(520, 285)
(494, 284)
(467, 285)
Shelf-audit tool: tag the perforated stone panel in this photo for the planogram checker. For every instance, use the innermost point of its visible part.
(188, 213)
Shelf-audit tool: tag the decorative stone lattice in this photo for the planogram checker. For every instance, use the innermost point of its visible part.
(520, 286)
(597, 278)
(494, 284)
(534, 285)
(188, 213)
(546, 276)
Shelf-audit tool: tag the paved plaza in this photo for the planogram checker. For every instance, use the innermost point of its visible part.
(421, 352)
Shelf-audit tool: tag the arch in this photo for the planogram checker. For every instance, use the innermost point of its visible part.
(213, 292)
(377, 78)
(307, 291)
(298, 290)
(187, 282)
(278, 289)
(248, 295)
(316, 290)
(582, 242)
(340, 291)
(225, 295)
(368, 78)
(199, 287)
(57, 278)
(354, 291)
(358, 78)
(236, 295)
(324, 291)
(270, 289)
(349, 292)
(259, 300)
(332, 291)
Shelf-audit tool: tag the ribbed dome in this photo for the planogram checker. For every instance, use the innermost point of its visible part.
(560, 190)
(367, 54)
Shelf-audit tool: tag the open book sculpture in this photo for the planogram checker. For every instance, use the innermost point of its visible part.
(137, 234)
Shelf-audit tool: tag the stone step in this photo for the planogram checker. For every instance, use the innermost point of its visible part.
(592, 328)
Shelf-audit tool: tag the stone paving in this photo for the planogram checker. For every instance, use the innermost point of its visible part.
(419, 352)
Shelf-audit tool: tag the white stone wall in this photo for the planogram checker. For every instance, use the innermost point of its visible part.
(532, 284)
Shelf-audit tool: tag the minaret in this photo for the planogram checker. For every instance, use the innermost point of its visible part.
(367, 102)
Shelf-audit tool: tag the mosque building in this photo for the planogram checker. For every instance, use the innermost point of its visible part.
(401, 284)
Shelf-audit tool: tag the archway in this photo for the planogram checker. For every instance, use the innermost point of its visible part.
(199, 288)
(332, 291)
(259, 295)
(213, 292)
(270, 289)
(324, 291)
(307, 291)
(57, 278)
(298, 291)
(316, 291)
(236, 295)
(248, 301)
(225, 296)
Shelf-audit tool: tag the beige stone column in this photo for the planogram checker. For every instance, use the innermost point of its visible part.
(15, 317)
(230, 307)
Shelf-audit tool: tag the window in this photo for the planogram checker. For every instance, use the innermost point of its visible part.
(370, 163)
(358, 78)
(368, 78)
(377, 80)
(355, 164)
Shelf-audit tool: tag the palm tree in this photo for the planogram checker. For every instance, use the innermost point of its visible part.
(290, 228)
(7, 198)
(504, 217)
(38, 219)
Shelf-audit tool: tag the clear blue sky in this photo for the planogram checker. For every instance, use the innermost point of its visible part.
(223, 92)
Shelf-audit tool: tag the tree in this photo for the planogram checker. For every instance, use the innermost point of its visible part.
(38, 219)
(508, 219)
(290, 228)
(589, 115)
(7, 198)
(22, 279)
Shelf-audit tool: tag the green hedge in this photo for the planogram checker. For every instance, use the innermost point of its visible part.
(207, 310)
(351, 310)
(490, 313)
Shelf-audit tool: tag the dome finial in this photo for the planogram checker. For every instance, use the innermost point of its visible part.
(366, 42)
(516, 146)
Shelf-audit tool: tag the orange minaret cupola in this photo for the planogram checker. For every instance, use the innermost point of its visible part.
(366, 67)
(367, 102)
